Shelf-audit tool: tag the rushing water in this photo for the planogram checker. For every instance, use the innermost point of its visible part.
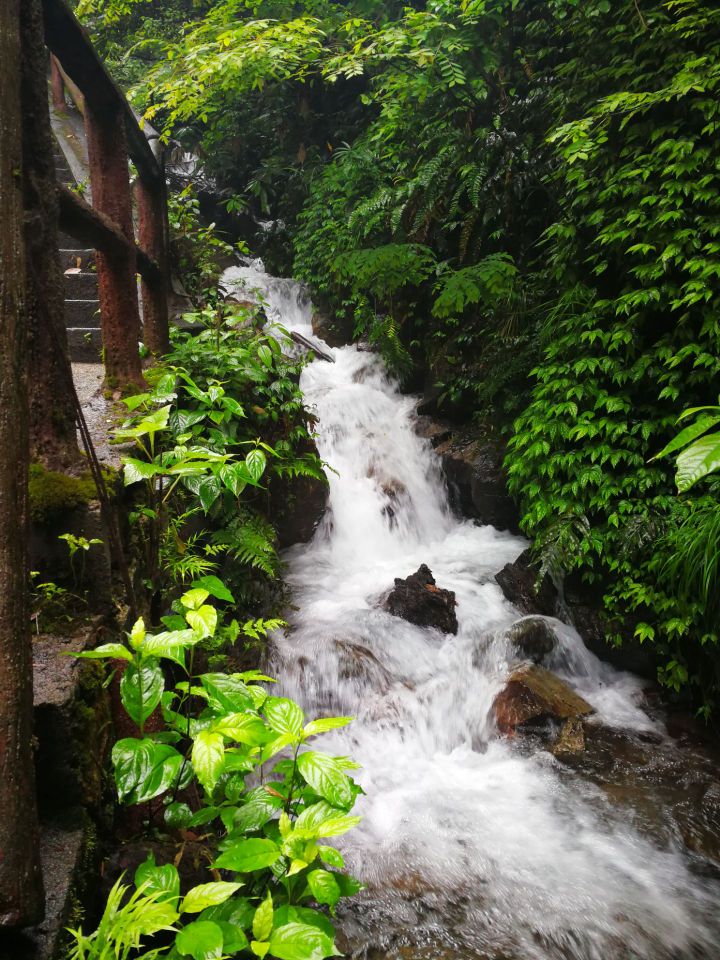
(470, 846)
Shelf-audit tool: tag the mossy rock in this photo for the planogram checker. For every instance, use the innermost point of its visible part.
(54, 494)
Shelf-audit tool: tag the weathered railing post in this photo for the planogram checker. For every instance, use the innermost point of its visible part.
(153, 238)
(21, 892)
(57, 85)
(109, 182)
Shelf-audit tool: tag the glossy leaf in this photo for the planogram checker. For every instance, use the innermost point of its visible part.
(208, 895)
(325, 776)
(141, 689)
(248, 855)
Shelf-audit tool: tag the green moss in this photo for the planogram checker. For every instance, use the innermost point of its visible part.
(53, 494)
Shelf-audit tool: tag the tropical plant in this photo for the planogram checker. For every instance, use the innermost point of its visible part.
(219, 731)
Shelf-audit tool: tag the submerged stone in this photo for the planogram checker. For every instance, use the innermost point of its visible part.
(571, 738)
(533, 638)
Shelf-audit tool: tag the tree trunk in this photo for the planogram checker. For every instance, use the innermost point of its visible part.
(21, 894)
(109, 181)
(53, 437)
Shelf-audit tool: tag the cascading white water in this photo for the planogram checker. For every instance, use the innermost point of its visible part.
(470, 846)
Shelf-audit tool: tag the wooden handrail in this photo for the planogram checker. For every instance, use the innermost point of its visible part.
(90, 226)
(70, 43)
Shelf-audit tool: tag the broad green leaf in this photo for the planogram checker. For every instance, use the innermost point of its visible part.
(263, 920)
(242, 728)
(265, 354)
(301, 941)
(209, 490)
(324, 887)
(284, 716)
(325, 776)
(255, 813)
(107, 651)
(136, 470)
(276, 745)
(171, 645)
(201, 940)
(234, 940)
(260, 949)
(331, 856)
(699, 460)
(255, 462)
(289, 914)
(203, 620)
(163, 881)
(324, 724)
(207, 895)
(322, 820)
(248, 855)
(177, 815)
(144, 769)
(701, 425)
(141, 689)
(195, 598)
(215, 588)
(226, 692)
(208, 755)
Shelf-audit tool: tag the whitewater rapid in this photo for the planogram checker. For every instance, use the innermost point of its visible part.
(470, 846)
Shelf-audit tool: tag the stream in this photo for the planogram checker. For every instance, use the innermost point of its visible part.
(472, 845)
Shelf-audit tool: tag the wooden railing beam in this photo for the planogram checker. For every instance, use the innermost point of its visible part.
(98, 231)
(70, 43)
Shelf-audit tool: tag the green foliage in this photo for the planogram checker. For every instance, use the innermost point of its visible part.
(518, 202)
(219, 730)
(200, 452)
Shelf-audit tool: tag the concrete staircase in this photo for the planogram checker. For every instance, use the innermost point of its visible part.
(82, 308)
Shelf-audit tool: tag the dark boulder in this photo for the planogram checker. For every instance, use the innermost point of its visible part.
(477, 481)
(436, 431)
(333, 330)
(418, 600)
(518, 581)
(629, 654)
(297, 505)
(532, 638)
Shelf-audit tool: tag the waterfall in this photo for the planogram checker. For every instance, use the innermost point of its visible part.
(471, 845)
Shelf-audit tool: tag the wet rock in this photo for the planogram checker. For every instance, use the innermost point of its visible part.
(630, 654)
(436, 431)
(533, 693)
(571, 739)
(533, 638)
(334, 331)
(518, 581)
(297, 505)
(69, 867)
(419, 600)
(477, 482)
(71, 716)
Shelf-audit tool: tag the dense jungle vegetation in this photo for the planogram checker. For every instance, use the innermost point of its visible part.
(518, 203)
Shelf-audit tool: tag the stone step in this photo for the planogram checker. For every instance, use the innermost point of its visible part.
(84, 344)
(82, 312)
(75, 256)
(81, 286)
